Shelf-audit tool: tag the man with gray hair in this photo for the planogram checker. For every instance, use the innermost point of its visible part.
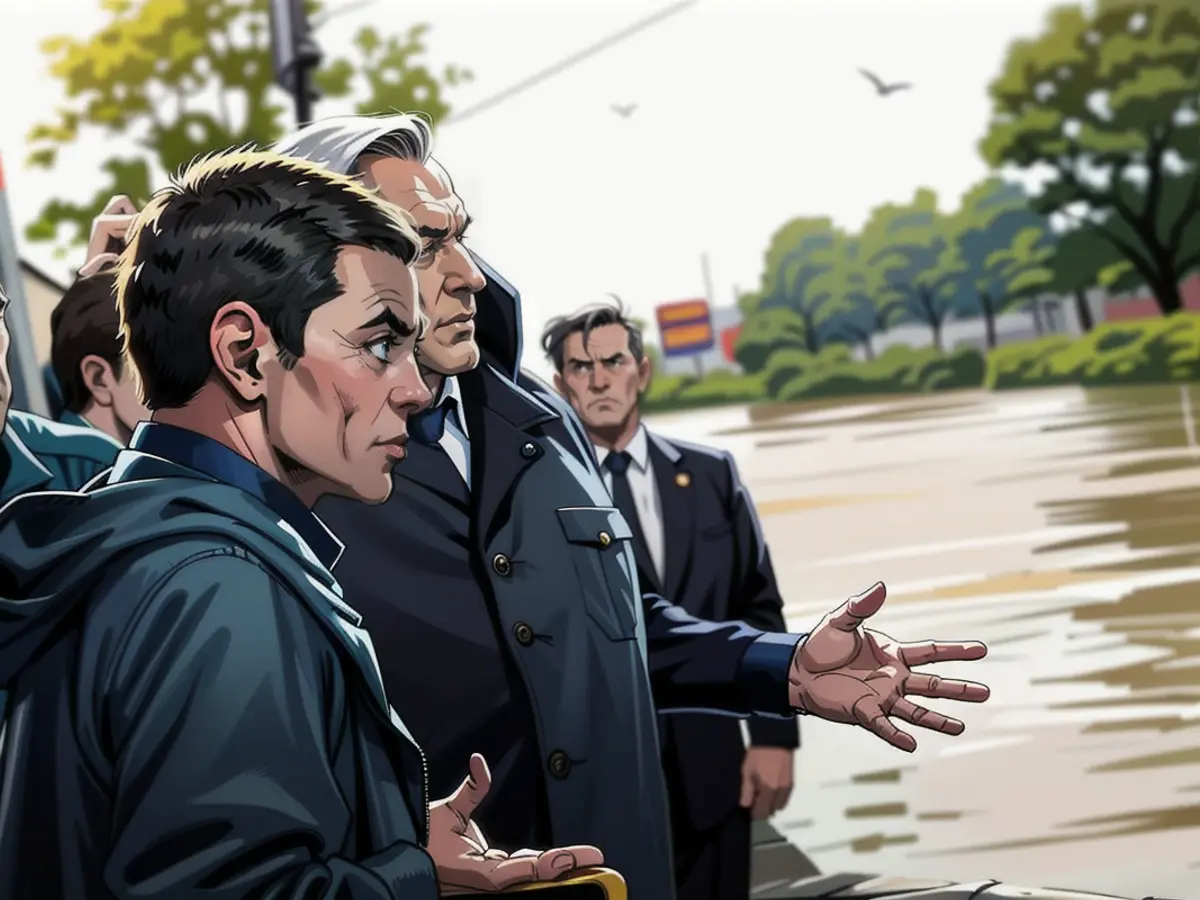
(520, 631)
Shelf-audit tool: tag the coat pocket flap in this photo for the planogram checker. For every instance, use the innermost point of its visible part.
(594, 525)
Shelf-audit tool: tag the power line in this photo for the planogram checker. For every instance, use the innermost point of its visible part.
(571, 61)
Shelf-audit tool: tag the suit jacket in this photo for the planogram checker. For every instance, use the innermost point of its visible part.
(568, 578)
(718, 568)
(591, 655)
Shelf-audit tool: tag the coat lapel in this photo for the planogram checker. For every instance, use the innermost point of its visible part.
(675, 492)
(431, 468)
(503, 419)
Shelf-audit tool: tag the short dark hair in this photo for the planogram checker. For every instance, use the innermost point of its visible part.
(240, 225)
(84, 323)
(586, 320)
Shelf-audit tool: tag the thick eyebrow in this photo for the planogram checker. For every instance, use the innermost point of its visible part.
(388, 318)
(440, 234)
(579, 362)
(616, 357)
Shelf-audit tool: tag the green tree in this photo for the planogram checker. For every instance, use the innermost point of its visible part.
(1003, 249)
(764, 332)
(1084, 260)
(177, 79)
(1108, 102)
(859, 305)
(907, 246)
(800, 256)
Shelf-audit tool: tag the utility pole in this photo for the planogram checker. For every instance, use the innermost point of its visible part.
(28, 390)
(295, 55)
(706, 272)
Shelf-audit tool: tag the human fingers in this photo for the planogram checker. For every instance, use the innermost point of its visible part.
(850, 615)
(98, 264)
(560, 861)
(925, 718)
(473, 789)
(922, 653)
(922, 685)
(870, 715)
(763, 804)
(120, 205)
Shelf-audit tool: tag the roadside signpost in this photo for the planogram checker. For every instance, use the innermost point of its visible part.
(685, 329)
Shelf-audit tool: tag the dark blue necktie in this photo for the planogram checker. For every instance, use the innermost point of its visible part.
(428, 426)
(618, 465)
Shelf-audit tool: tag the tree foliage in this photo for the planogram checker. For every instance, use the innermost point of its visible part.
(1002, 250)
(908, 246)
(1107, 101)
(174, 79)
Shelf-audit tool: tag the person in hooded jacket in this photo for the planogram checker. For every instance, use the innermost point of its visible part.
(193, 710)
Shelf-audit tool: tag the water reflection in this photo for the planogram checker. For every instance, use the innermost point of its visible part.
(1063, 528)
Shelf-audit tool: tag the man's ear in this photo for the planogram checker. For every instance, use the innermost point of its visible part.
(99, 378)
(236, 339)
(644, 373)
(560, 385)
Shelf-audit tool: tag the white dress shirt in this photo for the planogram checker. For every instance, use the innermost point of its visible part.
(645, 496)
(455, 439)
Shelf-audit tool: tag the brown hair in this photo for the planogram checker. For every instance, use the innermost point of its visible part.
(84, 323)
(240, 225)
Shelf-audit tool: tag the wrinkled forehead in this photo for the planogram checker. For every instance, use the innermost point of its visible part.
(423, 190)
(603, 342)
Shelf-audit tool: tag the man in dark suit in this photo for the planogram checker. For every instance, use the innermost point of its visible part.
(500, 587)
(698, 543)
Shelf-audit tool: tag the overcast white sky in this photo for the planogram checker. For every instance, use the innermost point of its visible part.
(750, 112)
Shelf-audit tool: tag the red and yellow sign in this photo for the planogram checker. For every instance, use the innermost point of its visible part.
(685, 327)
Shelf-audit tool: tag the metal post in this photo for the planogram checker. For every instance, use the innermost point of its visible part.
(294, 55)
(28, 391)
(706, 272)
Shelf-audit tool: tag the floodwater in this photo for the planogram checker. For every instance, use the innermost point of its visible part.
(1062, 528)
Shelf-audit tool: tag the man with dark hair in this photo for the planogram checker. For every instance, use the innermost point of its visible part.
(523, 609)
(697, 542)
(37, 454)
(194, 710)
(98, 389)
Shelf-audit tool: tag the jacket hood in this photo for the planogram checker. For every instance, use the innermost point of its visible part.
(56, 546)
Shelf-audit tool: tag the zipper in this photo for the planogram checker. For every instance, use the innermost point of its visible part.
(425, 791)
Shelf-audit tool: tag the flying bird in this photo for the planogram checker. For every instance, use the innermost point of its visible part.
(624, 111)
(881, 88)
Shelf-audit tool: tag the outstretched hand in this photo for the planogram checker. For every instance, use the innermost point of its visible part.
(465, 863)
(844, 672)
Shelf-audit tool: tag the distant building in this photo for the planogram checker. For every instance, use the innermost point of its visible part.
(724, 319)
(42, 292)
(1141, 305)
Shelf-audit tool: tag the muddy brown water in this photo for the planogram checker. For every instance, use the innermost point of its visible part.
(1061, 527)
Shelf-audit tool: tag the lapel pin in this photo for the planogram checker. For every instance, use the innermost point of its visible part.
(683, 479)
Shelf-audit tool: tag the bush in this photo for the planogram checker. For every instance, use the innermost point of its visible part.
(1143, 352)
(787, 364)
(898, 370)
(1149, 351)
(672, 392)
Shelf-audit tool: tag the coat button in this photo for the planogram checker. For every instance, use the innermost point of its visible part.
(559, 764)
(523, 633)
(605, 538)
(529, 450)
(501, 564)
